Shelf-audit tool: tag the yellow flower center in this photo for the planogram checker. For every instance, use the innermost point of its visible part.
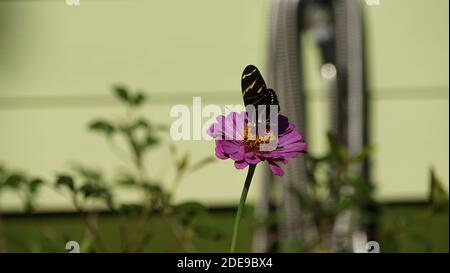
(252, 142)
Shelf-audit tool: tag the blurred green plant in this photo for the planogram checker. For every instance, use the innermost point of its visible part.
(26, 188)
(88, 190)
(335, 188)
(414, 228)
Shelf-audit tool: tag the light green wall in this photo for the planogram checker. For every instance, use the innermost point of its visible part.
(58, 63)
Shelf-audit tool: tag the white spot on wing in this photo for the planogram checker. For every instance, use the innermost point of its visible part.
(247, 75)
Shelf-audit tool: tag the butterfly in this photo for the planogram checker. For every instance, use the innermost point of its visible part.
(255, 92)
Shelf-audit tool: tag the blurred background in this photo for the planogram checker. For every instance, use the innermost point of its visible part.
(71, 79)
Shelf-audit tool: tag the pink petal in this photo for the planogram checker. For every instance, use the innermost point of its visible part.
(251, 158)
(219, 153)
(230, 147)
(240, 164)
(276, 170)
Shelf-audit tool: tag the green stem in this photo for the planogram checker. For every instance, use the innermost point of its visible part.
(237, 221)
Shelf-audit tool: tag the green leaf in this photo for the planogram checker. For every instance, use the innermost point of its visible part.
(89, 190)
(124, 128)
(2, 173)
(138, 99)
(363, 154)
(155, 190)
(131, 208)
(102, 126)
(150, 141)
(125, 96)
(14, 181)
(87, 173)
(126, 180)
(141, 123)
(333, 143)
(122, 94)
(35, 184)
(183, 162)
(158, 196)
(337, 151)
(66, 181)
(438, 197)
(93, 191)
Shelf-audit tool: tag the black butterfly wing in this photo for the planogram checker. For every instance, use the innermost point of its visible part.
(272, 98)
(253, 86)
(255, 91)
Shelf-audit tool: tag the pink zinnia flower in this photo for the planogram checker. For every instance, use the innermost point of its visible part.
(233, 140)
